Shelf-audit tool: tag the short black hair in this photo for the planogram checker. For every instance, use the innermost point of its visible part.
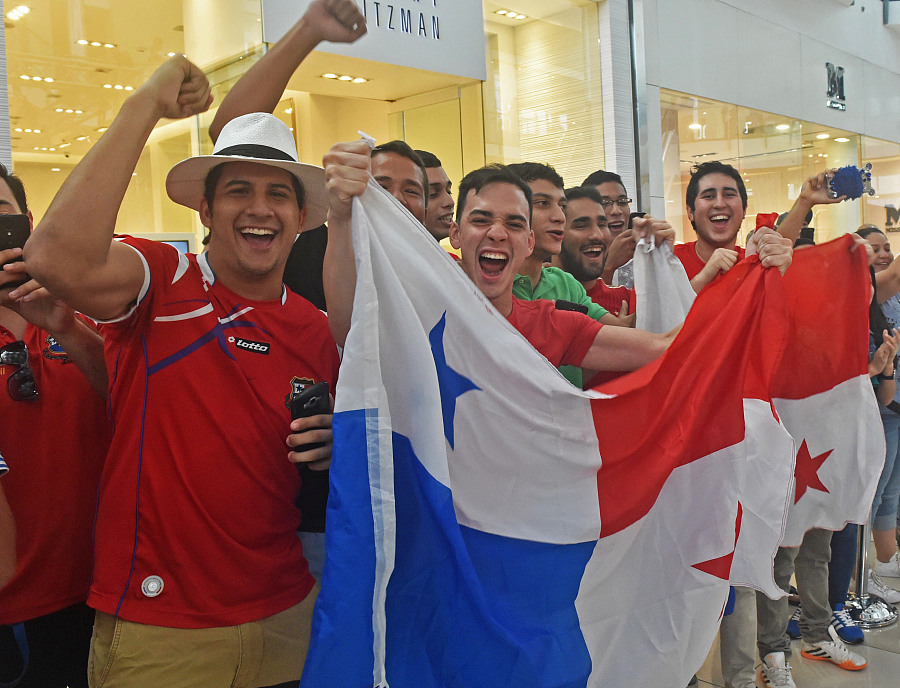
(15, 185)
(403, 149)
(532, 171)
(588, 192)
(601, 177)
(430, 160)
(867, 229)
(490, 174)
(712, 167)
(213, 176)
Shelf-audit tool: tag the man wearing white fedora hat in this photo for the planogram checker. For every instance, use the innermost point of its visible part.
(199, 578)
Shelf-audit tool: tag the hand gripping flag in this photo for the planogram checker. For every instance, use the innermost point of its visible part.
(491, 525)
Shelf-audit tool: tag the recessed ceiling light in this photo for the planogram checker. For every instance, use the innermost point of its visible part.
(359, 80)
(81, 41)
(171, 54)
(129, 88)
(81, 138)
(823, 136)
(18, 129)
(17, 13)
(102, 129)
(118, 87)
(54, 169)
(841, 139)
(782, 127)
(521, 16)
(288, 110)
(694, 125)
(344, 77)
(107, 85)
(502, 13)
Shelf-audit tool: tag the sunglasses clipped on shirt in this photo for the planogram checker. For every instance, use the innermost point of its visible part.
(20, 385)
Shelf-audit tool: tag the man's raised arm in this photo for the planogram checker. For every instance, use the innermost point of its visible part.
(71, 252)
(260, 89)
(346, 176)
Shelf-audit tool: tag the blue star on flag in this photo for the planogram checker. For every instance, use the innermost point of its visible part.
(452, 384)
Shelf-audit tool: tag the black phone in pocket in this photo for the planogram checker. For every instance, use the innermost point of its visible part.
(14, 232)
(310, 402)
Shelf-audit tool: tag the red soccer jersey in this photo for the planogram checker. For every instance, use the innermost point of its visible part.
(55, 447)
(687, 254)
(196, 520)
(611, 298)
(563, 337)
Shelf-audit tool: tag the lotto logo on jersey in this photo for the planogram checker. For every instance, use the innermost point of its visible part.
(250, 345)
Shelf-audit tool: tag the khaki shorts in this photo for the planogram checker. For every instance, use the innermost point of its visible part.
(259, 653)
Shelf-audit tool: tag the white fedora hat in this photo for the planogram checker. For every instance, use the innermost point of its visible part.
(258, 137)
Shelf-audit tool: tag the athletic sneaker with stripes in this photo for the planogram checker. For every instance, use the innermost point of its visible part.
(775, 672)
(834, 651)
(845, 627)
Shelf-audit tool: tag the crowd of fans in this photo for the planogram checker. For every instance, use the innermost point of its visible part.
(149, 518)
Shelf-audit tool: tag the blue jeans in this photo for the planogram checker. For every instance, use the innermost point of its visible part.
(843, 561)
(887, 494)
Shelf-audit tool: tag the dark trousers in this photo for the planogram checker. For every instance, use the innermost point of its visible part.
(58, 645)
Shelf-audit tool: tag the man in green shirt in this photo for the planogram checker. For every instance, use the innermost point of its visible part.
(548, 222)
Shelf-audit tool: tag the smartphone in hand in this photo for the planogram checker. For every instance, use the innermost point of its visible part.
(311, 401)
(14, 232)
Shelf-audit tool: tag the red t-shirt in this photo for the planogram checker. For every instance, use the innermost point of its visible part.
(611, 298)
(687, 254)
(55, 448)
(563, 337)
(196, 520)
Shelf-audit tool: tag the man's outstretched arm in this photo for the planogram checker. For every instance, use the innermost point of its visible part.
(260, 89)
(71, 252)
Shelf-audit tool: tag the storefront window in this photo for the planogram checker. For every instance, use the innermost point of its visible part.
(774, 154)
(883, 209)
(542, 97)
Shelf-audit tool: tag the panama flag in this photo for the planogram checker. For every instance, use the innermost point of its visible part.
(491, 525)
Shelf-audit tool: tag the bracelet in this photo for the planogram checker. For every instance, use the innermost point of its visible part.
(885, 376)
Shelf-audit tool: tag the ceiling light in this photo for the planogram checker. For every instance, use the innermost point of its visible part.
(521, 16)
(823, 136)
(81, 41)
(17, 13)
(107, 85)
(28, 131)
(694, 125)
(329, 76)
(18, 129)
(344, 77)
(81, 138)
(96, 44)
(841, 139)
(171, 54)
(359, 80)
(782, 127)
(129, 88)
(502, 13)
(102, 129)
(109, 45)
(36, 131)
(118, 87)
(288, 110)
(25, 76)
(54, 169)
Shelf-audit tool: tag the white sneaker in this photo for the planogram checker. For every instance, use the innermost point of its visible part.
(775, 672)
(834, 651)
(889, 568)
(881, 589)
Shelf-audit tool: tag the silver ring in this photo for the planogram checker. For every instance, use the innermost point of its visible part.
(355, 26)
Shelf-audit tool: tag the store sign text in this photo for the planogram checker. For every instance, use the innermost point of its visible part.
(835, 91)
(435, 35)
(892, 218)
(381, 15)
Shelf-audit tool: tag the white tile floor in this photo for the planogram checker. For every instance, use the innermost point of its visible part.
(881, 648)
